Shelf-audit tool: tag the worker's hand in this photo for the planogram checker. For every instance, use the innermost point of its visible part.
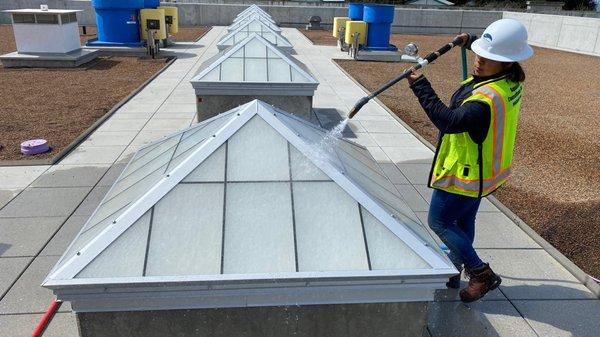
(414, 75)
(465, 38)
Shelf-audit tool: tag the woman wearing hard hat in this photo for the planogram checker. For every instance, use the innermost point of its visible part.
(475, 147)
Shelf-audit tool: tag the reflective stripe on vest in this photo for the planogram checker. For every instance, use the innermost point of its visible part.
(455, 168)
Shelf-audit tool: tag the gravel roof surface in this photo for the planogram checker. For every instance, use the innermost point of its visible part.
(554, 187)
(59, 104)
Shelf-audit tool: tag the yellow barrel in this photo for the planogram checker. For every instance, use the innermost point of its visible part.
(174, 14)
(338, 23)
(153, 14)
(356, 27)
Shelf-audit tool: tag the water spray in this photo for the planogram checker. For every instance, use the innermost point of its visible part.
(422, 62)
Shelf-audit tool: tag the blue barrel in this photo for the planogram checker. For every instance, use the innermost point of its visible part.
(117, 20)
(355, 11)
(379, 20)
(151, 3)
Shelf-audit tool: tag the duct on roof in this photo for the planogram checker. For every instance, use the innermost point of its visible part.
(258, 27)
(253, 17)
(252, 196)
(254, 69)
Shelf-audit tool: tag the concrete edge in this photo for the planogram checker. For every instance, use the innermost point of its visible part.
(85, 134)
(201, 36)
(577, 272)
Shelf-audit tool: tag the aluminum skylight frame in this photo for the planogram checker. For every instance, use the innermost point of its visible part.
(218, 87)
(293, 285)
(282, 42)
(253, 17)
(264, 16)
(251, 9)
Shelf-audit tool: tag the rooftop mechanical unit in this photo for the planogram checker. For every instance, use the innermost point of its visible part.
(46, 38)
(254, 69)
(251, 221)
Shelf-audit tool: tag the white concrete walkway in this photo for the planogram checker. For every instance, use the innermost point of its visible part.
(538, 296)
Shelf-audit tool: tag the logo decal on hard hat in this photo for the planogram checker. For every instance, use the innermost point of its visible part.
(487, 36)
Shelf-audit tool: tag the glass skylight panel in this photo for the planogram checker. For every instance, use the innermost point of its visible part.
(303, 168)
(279, 71)
(328, 228)
(128, 249)
(186, 232)
(211, 169)
(255, 48)
(259, 232)
(255, 70)
(252, 158)
(254, 27)
(386, 250)
(232, 70)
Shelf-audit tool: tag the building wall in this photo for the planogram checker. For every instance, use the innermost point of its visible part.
(297, 105)
(571, 33)
(561, 32)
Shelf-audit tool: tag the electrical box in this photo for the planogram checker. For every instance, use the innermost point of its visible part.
(353, 27)
(154, 19)
(171, 18)
(338, 23)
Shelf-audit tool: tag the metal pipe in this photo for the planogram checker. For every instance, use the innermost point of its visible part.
(422, 63)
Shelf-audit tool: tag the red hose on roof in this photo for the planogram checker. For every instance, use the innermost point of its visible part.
(41, 326)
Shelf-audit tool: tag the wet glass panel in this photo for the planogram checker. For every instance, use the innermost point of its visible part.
(320, 146)
(256, 70)
(232, 70)
(124, 256)
(303, 168)
(211, 169)
(259, 235)
(255, 48)
(386, 250)
(329, 232)
(251, 158)
(279, 71)
(186, 231)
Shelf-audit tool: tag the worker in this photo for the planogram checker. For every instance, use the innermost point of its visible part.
(475, 146)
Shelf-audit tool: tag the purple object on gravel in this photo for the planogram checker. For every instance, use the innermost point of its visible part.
(34, 146)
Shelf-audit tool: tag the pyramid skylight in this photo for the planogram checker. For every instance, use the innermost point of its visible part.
(255, 61)
(251, 207)
(252, 9)
(257, 27)
(261, 14)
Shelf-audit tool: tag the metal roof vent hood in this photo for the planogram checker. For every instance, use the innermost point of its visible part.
(254, 69)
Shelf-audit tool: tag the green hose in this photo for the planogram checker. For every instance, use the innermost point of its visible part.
(463, 56)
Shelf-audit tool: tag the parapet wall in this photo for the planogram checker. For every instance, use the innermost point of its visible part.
(570, 33)
(561, 32)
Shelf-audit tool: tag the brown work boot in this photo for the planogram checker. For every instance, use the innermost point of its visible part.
(482, 281)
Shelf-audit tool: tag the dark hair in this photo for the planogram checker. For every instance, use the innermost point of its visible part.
(515, 72)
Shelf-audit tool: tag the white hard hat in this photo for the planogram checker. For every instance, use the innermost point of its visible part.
(504, 40)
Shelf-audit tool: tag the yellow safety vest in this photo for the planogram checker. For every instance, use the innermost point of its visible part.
(464, 167)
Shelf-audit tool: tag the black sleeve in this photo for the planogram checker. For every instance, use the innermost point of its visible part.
(472, 117)
(472, 37)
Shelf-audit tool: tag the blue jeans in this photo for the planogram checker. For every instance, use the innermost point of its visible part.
(452, 218)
